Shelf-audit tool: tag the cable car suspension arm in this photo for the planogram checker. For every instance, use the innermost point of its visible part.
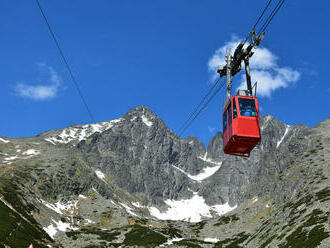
(233, 63)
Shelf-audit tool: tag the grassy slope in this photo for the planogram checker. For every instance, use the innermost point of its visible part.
(18, 228)
(15, 231)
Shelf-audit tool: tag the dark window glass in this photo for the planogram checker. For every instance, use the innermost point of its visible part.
(234, 109)
(224, 121)
(247, 107)
(229, 113)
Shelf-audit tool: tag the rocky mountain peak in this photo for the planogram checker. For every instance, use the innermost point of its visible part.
(141, 111)
(76, 133)
(269, 120)
(133, 171)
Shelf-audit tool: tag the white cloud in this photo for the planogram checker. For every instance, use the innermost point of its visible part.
(218, 58)
(41, 92)
(211, 129)
(264, 69)
(36, 92)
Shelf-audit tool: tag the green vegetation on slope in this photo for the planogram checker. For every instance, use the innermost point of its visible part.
(16, 232)
(227, 219)
(143, 236)
(304, 235)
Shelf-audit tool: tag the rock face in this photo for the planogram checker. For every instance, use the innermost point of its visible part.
(140, 153)
(122, 177)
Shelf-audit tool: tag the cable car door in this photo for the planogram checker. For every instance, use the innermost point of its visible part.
(230, 121)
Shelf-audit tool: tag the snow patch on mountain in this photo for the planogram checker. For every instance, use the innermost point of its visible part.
(211, 240)
(191, 210)
(137, 204)
(79, 133)
(60, 207)
(128, 209)
(11, 158)
(100, 175)
(82, 197)
(31, 152)
(146, 121)
(52, 229)
(208, 160)
(285, 133)
(88, 221)
(170, 242)
(50, 140)
(207, 172)
(4, 140)
(63, 226)
(27, 154)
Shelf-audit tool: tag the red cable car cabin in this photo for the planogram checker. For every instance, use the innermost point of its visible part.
(241, 125)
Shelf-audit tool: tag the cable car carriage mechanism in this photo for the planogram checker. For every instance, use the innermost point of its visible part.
(241, 123)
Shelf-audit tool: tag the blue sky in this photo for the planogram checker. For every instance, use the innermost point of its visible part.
(155, 53)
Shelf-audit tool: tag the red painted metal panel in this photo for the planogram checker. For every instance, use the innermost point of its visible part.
(243, 132)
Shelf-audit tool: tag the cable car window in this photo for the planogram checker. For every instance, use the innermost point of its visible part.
(234, 109)
(229, 113)
(224, 121)
(247, 107)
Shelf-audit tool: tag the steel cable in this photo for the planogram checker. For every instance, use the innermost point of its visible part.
(262, 14)
(271, 16)
(65, 61)
(198, 106)
(202, 108)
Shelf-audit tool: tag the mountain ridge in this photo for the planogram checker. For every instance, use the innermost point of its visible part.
(135, 168)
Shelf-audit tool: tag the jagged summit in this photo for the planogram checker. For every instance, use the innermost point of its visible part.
(142, 113)
(269, 118)
(76, 133)
(141, 110)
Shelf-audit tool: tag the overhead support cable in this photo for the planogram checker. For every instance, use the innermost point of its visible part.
(201, 107)
(65, 61)
(262, 14)
(271, 16)
(198, 106)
